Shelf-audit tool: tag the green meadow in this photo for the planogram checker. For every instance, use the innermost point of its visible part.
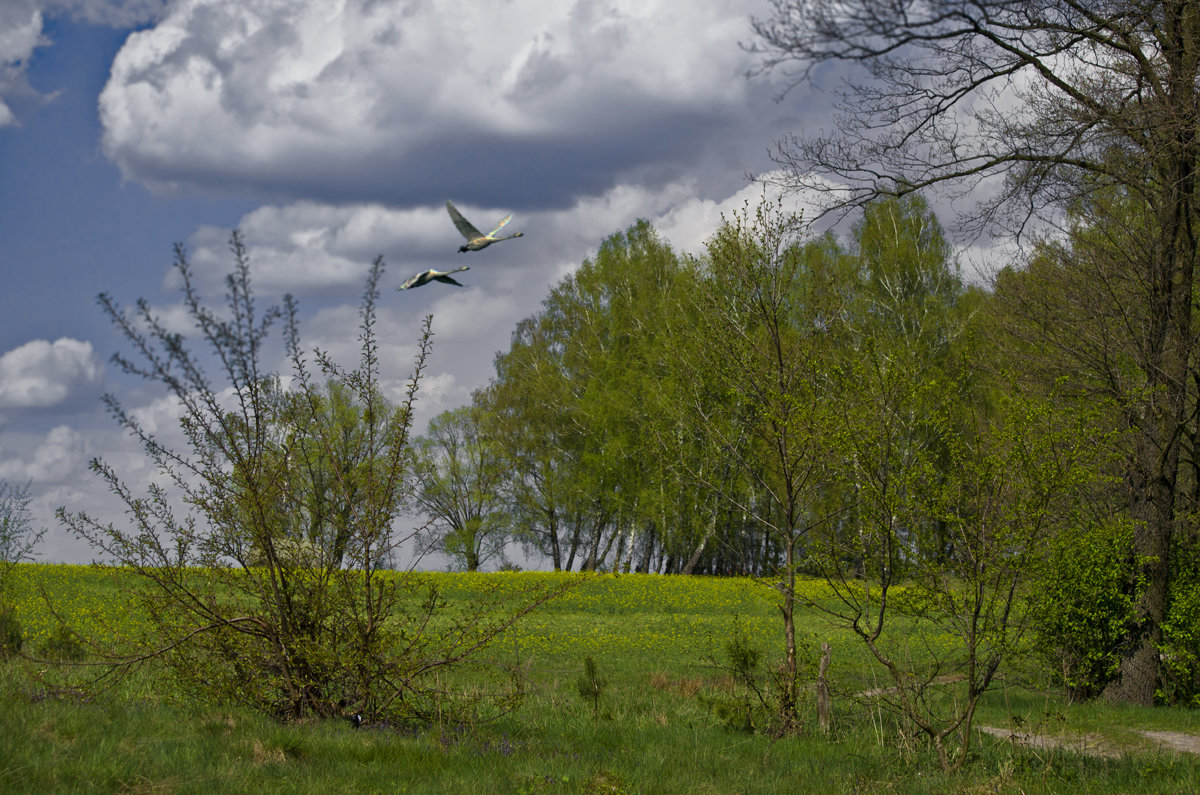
(658, 647)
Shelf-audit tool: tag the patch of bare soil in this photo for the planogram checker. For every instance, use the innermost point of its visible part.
(1096, 744)
(1087, 744)
(1174, 741)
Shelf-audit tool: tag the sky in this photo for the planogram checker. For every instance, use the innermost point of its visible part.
(329, 132)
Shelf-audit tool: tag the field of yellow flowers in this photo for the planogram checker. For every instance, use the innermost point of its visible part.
(664, 621)
(658, 643)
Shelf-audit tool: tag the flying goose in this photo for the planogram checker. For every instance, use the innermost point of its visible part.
(425, 277)
(476, 239)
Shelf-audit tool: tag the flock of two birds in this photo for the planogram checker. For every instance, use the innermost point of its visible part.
(476, 240)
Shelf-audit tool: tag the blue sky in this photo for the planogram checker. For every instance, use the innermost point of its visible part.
(330, 132)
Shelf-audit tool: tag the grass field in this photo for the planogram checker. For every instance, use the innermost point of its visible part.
(651, 638)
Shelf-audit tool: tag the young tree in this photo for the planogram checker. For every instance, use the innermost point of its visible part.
(766, 338)
(459, 478)
(1059, 100)
(948, 537)
(17, 535)
(950, 487)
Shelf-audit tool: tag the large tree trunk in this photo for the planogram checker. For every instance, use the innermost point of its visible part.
(694, 558)
(1168, 364)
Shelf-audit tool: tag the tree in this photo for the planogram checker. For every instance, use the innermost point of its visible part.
(948, 538)
(459, 476)
(1053, 101)
(908, 312)
(333, 456)
(17, 536)
(946, 484)
(770, 309)
(259, 550)
(582, 404)
(525, 408)
(17, 540)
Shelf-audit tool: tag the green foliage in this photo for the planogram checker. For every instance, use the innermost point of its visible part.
(12, 637)
(825, 409)
(63, 644)
(590, 685)
(459, 475)
(17, 535)
(1181, 627)
(1082, 606)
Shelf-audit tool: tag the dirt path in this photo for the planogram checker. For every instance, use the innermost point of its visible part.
(1175, 741)
(1097, 744)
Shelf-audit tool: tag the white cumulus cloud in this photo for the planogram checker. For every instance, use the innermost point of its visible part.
(42, 374)
(395, 100)
(21, 32)
(60, 455)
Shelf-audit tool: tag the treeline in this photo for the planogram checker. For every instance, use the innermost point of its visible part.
(786, 404)
(614, 434)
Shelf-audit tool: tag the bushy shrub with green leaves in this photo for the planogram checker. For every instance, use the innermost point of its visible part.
(1181, 627)
(261, 551)
(63, 644)
(1084, 609)
(11, 635)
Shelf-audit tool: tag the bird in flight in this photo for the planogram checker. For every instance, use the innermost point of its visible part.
(476, 239)
(425, 277)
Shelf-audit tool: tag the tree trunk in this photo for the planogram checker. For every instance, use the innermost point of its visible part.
(603, 556)
(574, 542)
(1168, 362)
(555, 548)
(788, 608)
(695, 556)
(647, 550)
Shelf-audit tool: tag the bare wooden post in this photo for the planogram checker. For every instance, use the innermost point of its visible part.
(824, 705)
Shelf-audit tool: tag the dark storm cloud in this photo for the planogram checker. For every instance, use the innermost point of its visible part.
(526, 172)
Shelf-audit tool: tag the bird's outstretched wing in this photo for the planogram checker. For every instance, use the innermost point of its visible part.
(462, 224)
(431, 275)
(503, 223)
(414, 281)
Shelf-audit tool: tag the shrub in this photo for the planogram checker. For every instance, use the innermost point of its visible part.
(1180, 646)
(11, 635)
(757, 701)
(63, 644)
(261, 548)
(1082, 607)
